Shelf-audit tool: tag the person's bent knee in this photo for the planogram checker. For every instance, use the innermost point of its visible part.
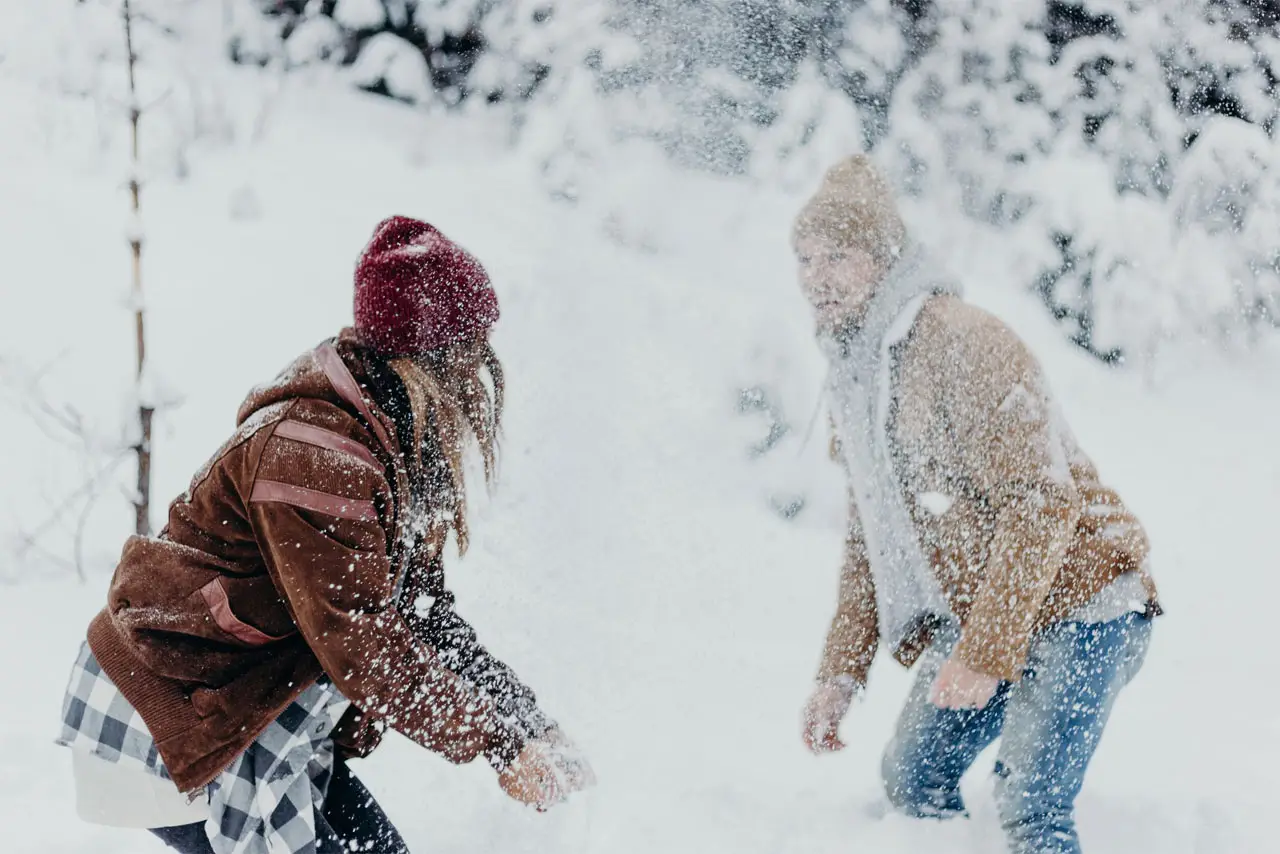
(912, 790)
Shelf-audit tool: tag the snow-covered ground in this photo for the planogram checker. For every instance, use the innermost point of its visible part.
(629, 565)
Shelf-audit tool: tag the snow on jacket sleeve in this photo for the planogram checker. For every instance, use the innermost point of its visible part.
(319, 527)
(1110, 540)
(459, 648)
(1014, 449)
(854, 635)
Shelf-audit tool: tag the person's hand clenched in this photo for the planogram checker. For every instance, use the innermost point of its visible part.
(546, 772)
(827, 706)
(960, 687)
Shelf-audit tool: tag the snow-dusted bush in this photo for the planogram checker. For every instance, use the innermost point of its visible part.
(391, 65)
(1068, 125)
(1226, 228)
(1072, 131)
(419, 51)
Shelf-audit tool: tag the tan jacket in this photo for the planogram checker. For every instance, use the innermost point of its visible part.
(1020, 529)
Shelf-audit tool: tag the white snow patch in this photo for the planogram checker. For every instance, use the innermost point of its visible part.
(935, 502)
(360, 14)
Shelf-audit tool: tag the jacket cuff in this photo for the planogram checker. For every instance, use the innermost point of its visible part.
(849, 687)
(503, 749)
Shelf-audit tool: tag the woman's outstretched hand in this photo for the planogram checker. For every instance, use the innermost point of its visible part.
(546, 772)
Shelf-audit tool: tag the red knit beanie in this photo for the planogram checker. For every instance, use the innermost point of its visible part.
(416, 290)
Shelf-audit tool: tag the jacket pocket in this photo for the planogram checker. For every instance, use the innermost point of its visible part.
(215, 598)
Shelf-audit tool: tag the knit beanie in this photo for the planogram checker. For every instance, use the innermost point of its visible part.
(416, 290)
(854, 208)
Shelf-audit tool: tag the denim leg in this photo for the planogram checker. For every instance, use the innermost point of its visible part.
(1054, 719)
(932, 748)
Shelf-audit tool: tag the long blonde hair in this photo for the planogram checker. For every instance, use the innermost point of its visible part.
(451, 406)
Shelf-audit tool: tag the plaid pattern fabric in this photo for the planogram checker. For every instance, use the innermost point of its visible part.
(265, 802)
(96, 718)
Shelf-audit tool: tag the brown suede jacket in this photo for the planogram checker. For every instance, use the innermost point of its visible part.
(282, 563)
(1020, 529)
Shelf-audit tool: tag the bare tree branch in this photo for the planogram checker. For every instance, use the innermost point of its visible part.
(61, 422)
(82, 524)
(85, 491)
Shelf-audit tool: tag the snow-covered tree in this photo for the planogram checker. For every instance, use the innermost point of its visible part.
(1064, 123)
(1067, 125)
(418, 51)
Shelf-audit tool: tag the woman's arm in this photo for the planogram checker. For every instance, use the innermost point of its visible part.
(323, 541)
(430, 612)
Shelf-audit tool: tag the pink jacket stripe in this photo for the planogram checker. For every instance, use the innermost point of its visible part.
(347, 387)
(220, 607)
(356, 509)
(321, 438)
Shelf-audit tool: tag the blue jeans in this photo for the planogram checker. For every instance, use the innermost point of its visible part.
(1050, 721)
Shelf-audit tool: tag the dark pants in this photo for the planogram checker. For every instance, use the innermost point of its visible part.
(351, 821)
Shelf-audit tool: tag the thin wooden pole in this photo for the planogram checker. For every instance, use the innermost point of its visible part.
(142, 499)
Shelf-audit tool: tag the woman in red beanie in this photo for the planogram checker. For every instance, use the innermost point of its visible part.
(294, 607)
